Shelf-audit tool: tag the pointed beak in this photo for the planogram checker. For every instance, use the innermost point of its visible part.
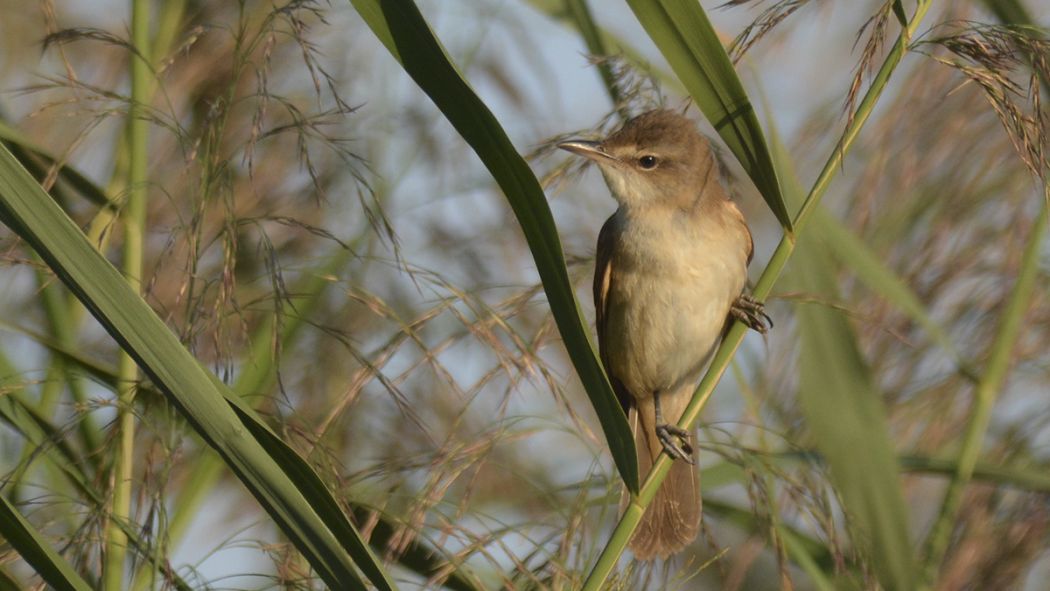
(590, 150)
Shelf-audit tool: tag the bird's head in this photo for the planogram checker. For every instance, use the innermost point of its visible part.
(658, 156)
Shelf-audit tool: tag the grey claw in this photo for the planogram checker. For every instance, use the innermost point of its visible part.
(676, 442)
(752, 313)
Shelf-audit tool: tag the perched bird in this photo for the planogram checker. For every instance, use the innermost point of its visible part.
(671, 269)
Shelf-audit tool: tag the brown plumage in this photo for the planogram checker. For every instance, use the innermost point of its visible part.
(671, 262)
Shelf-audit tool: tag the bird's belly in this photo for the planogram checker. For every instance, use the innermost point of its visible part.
(660, 338)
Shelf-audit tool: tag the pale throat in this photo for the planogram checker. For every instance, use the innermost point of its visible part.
(633, 188)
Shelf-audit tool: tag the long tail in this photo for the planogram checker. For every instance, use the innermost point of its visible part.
(672, 520)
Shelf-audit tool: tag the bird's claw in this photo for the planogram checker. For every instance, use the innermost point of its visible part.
(676, 442)
(752, 313)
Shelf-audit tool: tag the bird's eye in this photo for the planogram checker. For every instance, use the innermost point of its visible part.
(647, 162)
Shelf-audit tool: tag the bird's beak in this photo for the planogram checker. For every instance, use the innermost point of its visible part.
(591, 150)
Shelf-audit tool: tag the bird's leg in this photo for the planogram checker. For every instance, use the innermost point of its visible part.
(752, 313)
(674, 438)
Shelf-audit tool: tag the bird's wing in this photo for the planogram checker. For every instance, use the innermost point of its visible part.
(739, 218)
(603, 279)
(750, 244)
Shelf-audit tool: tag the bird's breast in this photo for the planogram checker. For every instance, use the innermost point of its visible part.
(672, 284)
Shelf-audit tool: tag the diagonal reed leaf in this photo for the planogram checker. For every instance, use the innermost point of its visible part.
(869, 268)
(32, 546)
(28, 153)
(420, 557)
(48, 443)
(687, 40)
(8, 582)
(580, 14)
(299, 509)
(401, 28)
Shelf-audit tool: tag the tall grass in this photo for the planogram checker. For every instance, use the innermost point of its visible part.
(359, 318)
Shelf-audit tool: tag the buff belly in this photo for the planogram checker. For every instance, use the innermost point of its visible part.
(660, 338)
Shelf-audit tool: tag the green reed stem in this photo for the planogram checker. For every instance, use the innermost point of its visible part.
(991, 382)
(134, 218)
(987, 392)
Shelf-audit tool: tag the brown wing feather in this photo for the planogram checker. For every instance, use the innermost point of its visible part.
(603, 278)
(747, 231)
(750, 244)
(739, 217)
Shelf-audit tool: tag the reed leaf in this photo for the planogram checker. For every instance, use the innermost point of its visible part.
(296, 506)
(401, 28)
(32, 546)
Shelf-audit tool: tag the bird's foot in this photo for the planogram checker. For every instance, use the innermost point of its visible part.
(676, 442)
(752, 313)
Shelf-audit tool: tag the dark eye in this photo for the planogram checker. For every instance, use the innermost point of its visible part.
(647, 162)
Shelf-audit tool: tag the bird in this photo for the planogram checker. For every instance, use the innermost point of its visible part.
(670, 274)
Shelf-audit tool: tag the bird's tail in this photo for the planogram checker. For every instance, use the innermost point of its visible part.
(672, 520)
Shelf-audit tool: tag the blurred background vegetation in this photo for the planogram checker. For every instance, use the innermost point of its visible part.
(321, 238)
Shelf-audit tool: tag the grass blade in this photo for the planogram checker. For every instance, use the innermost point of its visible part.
(844, 411)
(1000, 357)
(845, 414)
(401, 28)
(869, 268)
(684, 35)
(419, 557)
(988, 388)
(1035, 478)
(48, 442)
(581, 17)
(36, 160)
(49, 564)
(8, 582)
(40, 222)
(256, 378)
(1009, 11)
(609, 43)
(133, 222)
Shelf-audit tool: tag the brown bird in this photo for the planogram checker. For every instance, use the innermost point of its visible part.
(671, 269)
